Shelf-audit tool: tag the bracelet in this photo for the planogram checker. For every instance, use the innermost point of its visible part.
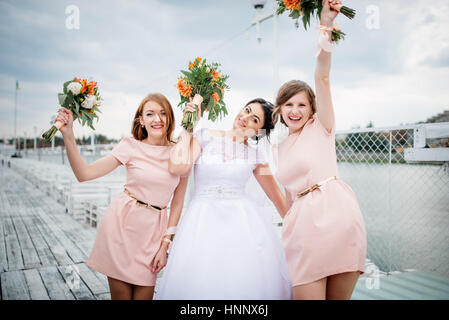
(170, 232)
(324, 42)
(169, 243)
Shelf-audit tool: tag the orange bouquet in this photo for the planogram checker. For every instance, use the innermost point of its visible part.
(204, 79)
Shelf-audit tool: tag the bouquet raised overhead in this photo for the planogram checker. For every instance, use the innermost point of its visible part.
(206, 80)
(83, 99)
(309, 8)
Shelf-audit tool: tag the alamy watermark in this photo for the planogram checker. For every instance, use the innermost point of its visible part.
(72, 21)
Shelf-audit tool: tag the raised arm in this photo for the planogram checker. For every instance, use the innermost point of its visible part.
(325, 109)
(263, 175)
(187, 150)
(82, 170)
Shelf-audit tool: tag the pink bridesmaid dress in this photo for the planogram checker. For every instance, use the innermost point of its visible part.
(129, 235)
(323, 232)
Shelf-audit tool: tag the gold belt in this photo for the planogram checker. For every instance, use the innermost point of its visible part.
(314, 187)
(144, 204)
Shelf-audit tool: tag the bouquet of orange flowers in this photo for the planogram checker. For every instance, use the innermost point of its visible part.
(80, 97)
(203, 79)
(308, 8)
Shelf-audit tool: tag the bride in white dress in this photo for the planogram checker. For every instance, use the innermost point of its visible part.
(224, 247)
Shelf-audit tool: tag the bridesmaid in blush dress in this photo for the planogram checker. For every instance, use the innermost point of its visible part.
(323, 233)
(130, 233)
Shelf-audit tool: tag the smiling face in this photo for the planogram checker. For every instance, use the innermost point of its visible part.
(296, 111)
(250, 119)
(154, 118)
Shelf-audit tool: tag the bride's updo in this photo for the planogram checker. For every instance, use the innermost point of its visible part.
(268, 108)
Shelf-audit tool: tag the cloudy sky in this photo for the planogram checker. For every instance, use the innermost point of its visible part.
(392, 73)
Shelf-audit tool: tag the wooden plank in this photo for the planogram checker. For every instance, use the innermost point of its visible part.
(92, 281)
(46, 257)
(3, 256)
(71, 229)
(14, 286)
(72, 250)
(103, 296)
(71, 275)
(35, 285)
(56, 248)
(55, 284)
(103, 278)
(29, 254)
(13, 251)
(76, 232)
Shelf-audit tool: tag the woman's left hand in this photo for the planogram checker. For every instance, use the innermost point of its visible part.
(328, 14)
(160, 260)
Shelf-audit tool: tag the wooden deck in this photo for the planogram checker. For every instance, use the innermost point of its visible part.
(43, 253)
(43, 250)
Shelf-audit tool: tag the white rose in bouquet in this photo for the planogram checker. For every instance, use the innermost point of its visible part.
(90, 101)
(75, 88)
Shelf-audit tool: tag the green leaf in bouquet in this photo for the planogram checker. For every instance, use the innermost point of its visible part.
(280, 10)
(306, 21)
(211, 104)
(186, 73)
(66, 84)
(87, 114)
(61, 98)
(220, 93)
(337, 36)
(294, 14)
(77, 106)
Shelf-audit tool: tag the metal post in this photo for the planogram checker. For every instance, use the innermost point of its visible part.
(275, 54)
(15, 115)
(25, 144)
(92, 142)
(35, 139)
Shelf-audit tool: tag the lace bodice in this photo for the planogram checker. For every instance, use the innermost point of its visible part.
(224, 166)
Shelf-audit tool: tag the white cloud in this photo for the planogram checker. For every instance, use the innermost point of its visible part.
(390, 76)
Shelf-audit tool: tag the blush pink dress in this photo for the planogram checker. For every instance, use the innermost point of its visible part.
(129, 235)
(323, 232)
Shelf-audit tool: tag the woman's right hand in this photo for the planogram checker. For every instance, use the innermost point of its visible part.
(195, 104)
(66, 118)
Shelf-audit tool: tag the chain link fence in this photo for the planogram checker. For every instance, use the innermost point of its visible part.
(405, 203)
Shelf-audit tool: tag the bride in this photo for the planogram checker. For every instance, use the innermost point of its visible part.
(224, 247)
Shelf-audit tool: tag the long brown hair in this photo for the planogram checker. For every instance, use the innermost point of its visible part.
(288, 90)
(140, 133)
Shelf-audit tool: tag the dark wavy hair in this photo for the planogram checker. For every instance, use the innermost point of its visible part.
(268, 116)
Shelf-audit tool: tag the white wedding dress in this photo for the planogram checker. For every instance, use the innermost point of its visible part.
(224, 248)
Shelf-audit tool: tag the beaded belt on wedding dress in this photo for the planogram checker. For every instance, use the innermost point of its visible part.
(314, 187)
(219, 191)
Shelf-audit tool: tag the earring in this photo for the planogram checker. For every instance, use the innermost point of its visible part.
(143, 127)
